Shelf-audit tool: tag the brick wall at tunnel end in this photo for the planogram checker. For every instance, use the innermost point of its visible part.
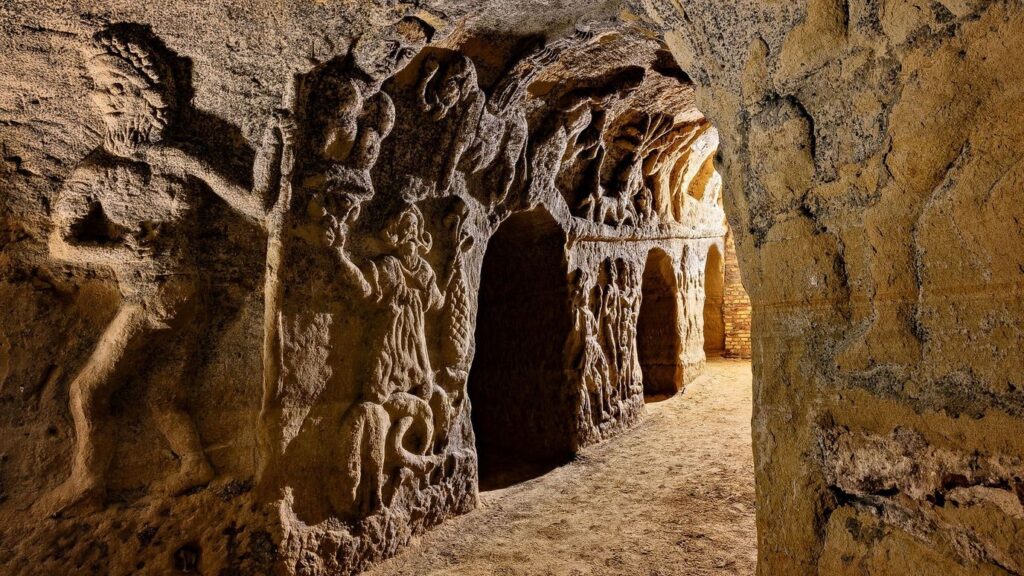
(736, 306)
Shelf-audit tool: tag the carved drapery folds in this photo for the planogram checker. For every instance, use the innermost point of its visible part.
(387, 405)
(379, 178)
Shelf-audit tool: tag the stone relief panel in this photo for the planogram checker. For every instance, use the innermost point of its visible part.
(130, 208)
(375, 335)
(608, 293)
(586, 354)
(329, 411)
(325, 181)
(602, 350)
(625, 148)
(125, 271)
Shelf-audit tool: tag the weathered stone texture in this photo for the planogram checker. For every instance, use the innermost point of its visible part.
(252, 257)
(872, 173)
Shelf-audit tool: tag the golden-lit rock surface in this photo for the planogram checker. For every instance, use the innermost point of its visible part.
(872, 168)
(278, 280)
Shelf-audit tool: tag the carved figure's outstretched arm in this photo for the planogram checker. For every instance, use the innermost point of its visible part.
(176, 160)
(351, 274)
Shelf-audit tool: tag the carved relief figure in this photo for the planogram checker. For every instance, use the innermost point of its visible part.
(446, 111)
(390, 431)
(406, 288)
(589, 358)
(560, 142)
(131, 207)
(609, 162)
(666, 169)
(347, 116)
(633, 200)
(604, 208)
(569, 149)
(615, 376)
(347, 106)
(608, 318)
(502, 134)
(632, 381)
(447, 84)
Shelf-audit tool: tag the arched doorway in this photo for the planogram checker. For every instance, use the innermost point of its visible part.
(522, 412)
(714, 301)
(659, 333)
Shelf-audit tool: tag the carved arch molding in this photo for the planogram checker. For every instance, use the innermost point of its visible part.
(244, 339)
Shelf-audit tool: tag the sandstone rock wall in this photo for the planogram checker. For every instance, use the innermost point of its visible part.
(873, 179)
(241, 255)
(244, 250)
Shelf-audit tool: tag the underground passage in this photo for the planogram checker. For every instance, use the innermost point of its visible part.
(714, 302)
(478, 287)
(522, 408)
(659, 344)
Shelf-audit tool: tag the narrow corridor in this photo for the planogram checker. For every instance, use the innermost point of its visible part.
(673, 497)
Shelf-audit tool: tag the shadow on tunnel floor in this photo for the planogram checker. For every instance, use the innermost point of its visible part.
(655, 398)
(503, 470)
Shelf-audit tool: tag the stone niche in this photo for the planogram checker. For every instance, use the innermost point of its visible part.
(271, 275)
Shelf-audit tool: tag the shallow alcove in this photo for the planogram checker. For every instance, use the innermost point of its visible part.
(659, 339)
(714, 301)
(522, 406)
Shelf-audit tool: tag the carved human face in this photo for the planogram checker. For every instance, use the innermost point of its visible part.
(337, 211)
(380, 56)
(406, 235)
(132, 112)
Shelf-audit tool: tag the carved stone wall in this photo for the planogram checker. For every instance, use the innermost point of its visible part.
(605, 362)
(242, 244)
(244, 252)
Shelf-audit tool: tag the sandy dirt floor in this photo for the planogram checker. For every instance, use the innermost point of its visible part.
(674, 496)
